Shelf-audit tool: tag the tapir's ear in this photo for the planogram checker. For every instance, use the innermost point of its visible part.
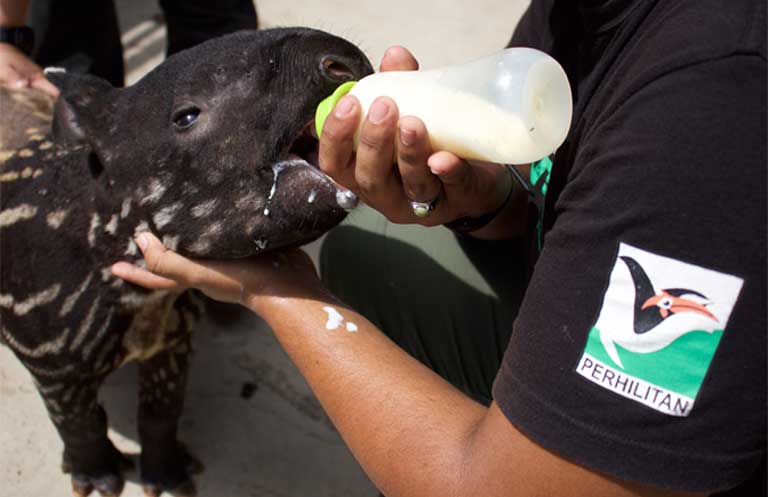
(81, 106)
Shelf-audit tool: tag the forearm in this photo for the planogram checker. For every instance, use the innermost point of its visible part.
(407, 427)
(13, 12)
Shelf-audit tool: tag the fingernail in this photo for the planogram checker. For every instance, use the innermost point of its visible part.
(391, 51)
(142, 241)
(378, 112)
(344, 107)
(407, 136)
(20, 83)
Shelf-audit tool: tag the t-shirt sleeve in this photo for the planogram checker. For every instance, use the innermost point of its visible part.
(533, 29)
(640, 347)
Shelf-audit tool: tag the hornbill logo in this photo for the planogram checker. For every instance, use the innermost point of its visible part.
(651, 310)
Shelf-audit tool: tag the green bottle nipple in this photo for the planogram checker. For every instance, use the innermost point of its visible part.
(326, 106)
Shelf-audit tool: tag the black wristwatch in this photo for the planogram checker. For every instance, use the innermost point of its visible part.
(22, 37)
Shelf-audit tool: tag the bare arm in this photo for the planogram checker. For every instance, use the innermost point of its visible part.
(413, 433)
(16, 69)
(13, 12)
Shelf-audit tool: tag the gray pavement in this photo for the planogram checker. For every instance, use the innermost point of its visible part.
(249, 415)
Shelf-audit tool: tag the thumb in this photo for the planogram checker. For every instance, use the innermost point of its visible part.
(452, 171)
(41, 83)
(219, 280)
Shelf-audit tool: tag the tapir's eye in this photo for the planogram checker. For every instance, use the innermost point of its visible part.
(185, 118)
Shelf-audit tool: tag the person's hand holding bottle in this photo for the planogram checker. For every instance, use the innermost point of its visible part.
(454, 187)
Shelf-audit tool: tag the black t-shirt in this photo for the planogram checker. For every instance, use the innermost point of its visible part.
(640, 347)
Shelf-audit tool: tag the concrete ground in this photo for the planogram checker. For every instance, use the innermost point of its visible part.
(249, 415)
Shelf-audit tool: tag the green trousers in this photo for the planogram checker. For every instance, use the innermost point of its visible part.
(447, 299)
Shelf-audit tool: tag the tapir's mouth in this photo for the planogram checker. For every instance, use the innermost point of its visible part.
(305, 148)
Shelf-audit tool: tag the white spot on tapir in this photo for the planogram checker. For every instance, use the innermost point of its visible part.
(95, 223)
(126, 208)
(200, 246)
(246, 201)
(51, 346)
(204, 208)
(213, 230)
(42, 298)
(111, 226)
(6, 301)
(16, 214)
(140, 228)
(152, 192)
(9, 176)
(71, 300)
(171, 242)
(189, 190)
(166, 215)
(56, 218)
(335, 319)
(132, 248)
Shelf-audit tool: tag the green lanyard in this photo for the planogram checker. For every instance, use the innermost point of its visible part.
(539, 169)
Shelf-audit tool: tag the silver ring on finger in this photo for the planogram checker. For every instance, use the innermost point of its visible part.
(423, 209)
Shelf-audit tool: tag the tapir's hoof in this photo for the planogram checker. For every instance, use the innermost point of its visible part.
(194, 465)
(186, 489)
(106, 486)
(174, 476)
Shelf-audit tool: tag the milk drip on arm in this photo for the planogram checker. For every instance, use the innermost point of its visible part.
(511, 107)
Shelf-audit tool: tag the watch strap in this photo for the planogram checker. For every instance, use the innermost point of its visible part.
(21, 37)
(468, 224)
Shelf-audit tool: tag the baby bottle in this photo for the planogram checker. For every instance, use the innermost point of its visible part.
(511, 107)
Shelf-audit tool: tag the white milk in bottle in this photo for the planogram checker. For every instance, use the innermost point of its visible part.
(511, 107)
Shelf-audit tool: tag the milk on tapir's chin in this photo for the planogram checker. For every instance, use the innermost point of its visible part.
(511, 107)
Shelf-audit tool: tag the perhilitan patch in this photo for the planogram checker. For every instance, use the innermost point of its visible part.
(659, 326)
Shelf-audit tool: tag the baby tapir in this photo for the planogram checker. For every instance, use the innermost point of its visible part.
(212, 151)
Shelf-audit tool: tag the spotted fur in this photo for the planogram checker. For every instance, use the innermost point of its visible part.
(115, 163)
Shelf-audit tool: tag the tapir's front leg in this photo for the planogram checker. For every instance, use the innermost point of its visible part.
(95, 464)
(165, 463)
